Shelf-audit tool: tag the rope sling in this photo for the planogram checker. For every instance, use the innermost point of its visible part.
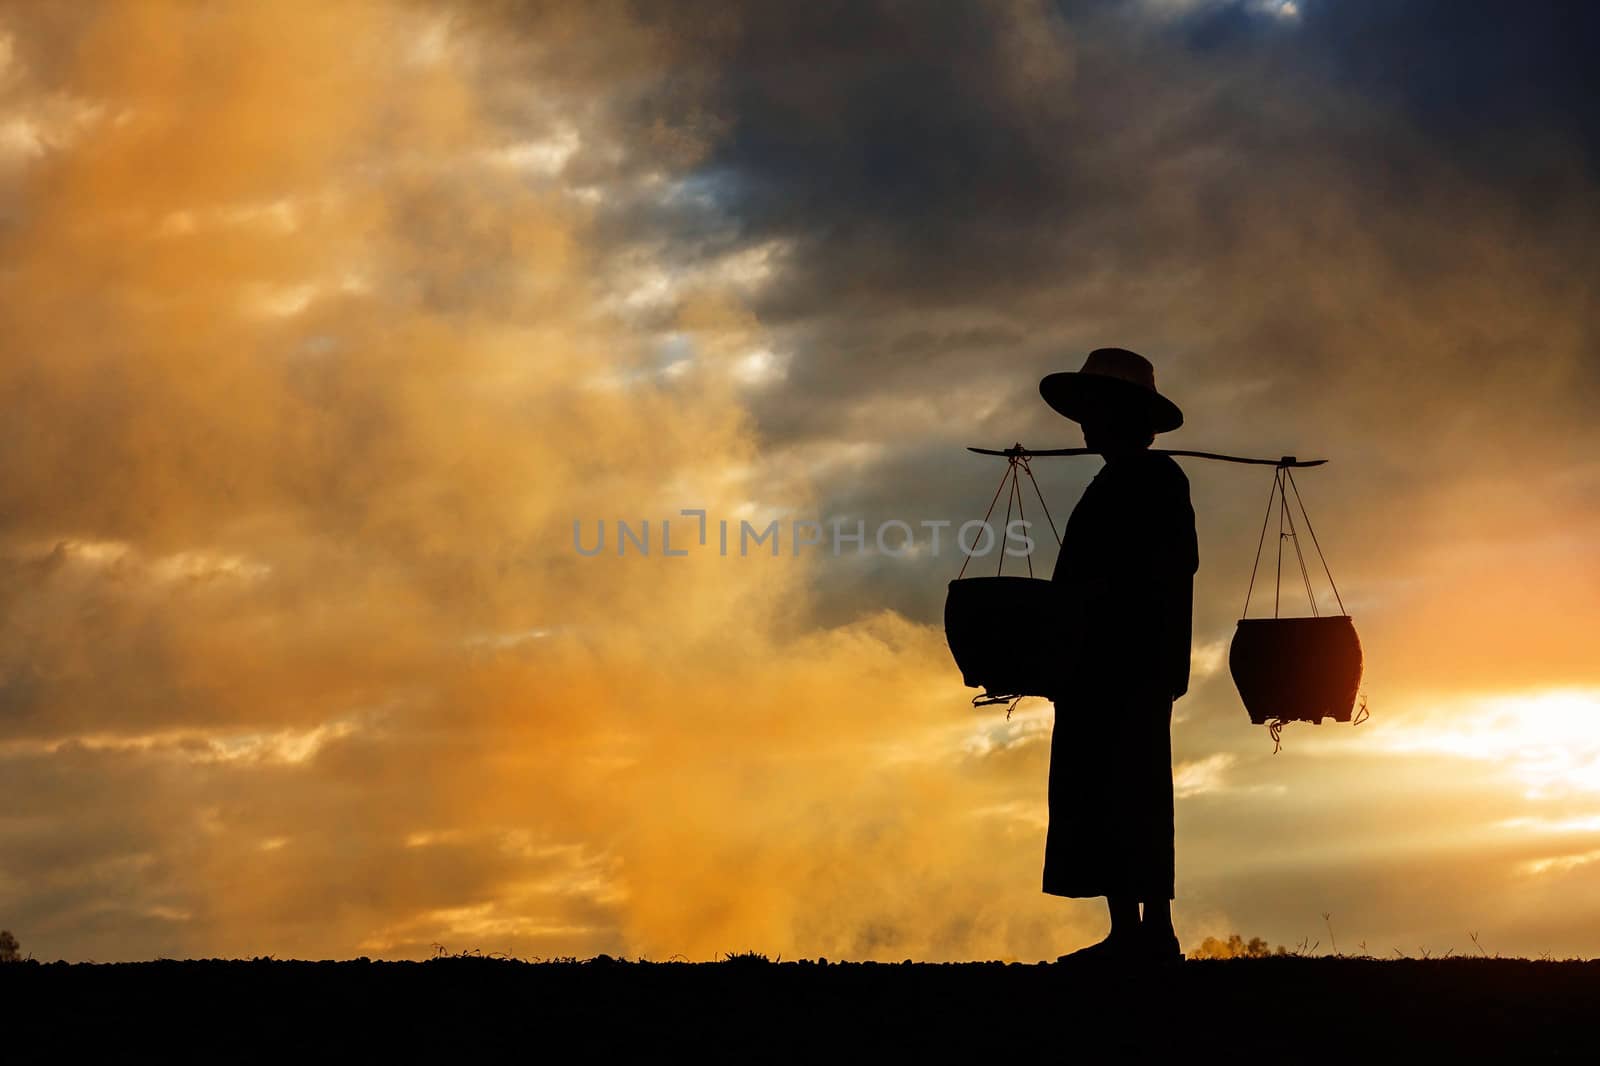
(1283, 484)
(1017, 461)
(1011, 484)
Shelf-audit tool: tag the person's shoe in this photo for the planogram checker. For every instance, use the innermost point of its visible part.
(1112, 951)
(1159, 946)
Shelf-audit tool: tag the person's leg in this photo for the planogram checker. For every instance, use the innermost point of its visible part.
(1156, 934)
(1124, 917)
(1157, 920)
(1122, 943)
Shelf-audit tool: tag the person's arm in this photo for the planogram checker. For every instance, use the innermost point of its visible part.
(1146, 595)
(1176, 556)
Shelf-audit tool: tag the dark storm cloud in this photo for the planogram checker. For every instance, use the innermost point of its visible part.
(974, 156)
(960, 147)
(1470, 74)
(1292, 210)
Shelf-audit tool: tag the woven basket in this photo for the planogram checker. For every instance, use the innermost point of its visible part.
(1297, 669)
(1002, 632)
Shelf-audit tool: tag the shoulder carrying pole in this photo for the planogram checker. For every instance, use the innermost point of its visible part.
(1019, 452)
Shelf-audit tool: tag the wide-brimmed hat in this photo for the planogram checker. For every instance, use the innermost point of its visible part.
(1114, 383)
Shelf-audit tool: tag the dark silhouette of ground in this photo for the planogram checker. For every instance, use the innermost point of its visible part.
(1276, 1009)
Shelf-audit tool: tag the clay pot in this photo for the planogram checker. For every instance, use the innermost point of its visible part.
(1297, 669)
(1000, 630)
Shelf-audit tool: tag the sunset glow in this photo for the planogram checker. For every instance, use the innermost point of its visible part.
(325, 324)
(1547, 741)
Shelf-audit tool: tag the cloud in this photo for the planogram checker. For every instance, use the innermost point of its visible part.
(327, 322)
(1202, 775)
(309, 386)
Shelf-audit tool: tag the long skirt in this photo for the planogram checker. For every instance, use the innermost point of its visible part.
(1110, 796)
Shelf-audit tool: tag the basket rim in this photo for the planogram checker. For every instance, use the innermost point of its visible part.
(1000, 577)
(1298, 618)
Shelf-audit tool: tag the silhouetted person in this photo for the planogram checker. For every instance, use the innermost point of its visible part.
(1126, 570)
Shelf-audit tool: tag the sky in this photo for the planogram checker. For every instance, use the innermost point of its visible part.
(324, 326)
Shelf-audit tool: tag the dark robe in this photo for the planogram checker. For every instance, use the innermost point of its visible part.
(1126, 568)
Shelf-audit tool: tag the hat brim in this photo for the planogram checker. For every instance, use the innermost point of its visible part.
(1078, 396)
